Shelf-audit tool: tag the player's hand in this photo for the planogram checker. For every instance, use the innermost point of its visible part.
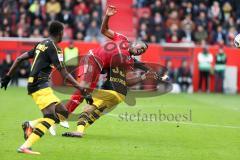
(4, 81)
(165, 78)
(88, 99)
(86, 95)
(151, 75)
(111, 10)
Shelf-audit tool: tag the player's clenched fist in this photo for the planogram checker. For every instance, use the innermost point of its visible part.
(111, 10)
(5, 81)
(151, 75)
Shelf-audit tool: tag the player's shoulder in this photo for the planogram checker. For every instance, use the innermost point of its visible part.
(48, 42)
(119, 36)
(45, 43)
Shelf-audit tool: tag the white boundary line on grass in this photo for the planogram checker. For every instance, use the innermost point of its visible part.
(188, 123)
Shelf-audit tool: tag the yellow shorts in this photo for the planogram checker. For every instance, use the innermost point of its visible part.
(44, 97)
(106, 98)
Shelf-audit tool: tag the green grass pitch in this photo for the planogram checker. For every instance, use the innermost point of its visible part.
(213, 134)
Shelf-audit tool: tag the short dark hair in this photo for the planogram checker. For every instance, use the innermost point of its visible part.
(55, 28)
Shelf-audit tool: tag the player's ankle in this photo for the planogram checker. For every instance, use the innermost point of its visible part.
(80, 128)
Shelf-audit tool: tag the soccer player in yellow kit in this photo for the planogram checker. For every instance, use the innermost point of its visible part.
(45, 54)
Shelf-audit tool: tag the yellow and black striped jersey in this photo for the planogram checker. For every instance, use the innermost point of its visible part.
(116, 80)
(46, 55)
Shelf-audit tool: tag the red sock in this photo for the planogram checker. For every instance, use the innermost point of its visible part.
(75, 100)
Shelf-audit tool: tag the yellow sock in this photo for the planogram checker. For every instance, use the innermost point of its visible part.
(80, 128)
(33, 123)
(38, 132)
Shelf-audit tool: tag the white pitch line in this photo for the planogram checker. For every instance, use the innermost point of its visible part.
(189, 123)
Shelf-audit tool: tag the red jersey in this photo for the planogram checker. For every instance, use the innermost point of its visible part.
(118, 46)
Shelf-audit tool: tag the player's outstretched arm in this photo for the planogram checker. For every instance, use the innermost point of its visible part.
(75, 83)
(132, 79)
(6, 79)
(111, 10)
(140, 65)
(17, 63)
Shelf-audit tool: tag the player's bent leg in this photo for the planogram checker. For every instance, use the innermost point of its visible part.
(84, 121)
(49, 119)
(86, 118)
(62, 114)
(33, 123)
(88, 76)
(28, 127)
(102, 101)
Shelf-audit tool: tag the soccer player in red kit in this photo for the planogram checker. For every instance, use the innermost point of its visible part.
(97, 59)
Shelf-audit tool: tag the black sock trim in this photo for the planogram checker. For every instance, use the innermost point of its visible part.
(46, 124)
(95, 115)
(38, 132)
(85, 115)
(81, 123)
(53, 117)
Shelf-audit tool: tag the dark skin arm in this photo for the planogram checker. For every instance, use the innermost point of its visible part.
(17, 63)
(26, 56)
(142, 66)
(133, 80)
(70, 78)
(75, 84)
(111, 10)
(66, 75)
(5, 80)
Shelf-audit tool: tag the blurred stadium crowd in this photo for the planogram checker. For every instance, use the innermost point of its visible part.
(213, 22)
(158, 21)
(29, 18)
(198, 21)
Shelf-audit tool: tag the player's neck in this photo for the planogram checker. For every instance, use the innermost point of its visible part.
(54, 39)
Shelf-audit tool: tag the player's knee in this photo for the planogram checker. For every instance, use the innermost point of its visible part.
(60, 109)
(64, 113)
(89, 108)
(52, 116)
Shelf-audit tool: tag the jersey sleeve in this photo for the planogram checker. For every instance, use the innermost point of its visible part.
(31, 53)
(117, 36)
(55, 57)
